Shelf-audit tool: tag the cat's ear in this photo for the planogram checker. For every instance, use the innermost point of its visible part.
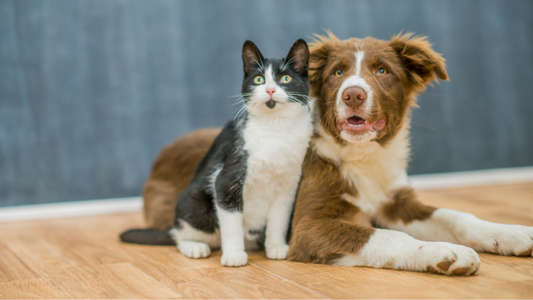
(298, 57)
(251, 57)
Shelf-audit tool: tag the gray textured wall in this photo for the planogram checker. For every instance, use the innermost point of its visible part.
(91, 90)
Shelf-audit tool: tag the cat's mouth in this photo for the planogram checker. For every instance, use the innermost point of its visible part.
(271, 104)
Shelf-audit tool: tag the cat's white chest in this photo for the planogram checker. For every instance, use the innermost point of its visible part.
(276, 150)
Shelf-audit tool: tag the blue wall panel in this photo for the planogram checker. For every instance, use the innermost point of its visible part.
(91, 90)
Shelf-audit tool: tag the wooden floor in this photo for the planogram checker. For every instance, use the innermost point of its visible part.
(82, 258)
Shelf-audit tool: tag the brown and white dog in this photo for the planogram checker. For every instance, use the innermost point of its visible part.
(354, 174)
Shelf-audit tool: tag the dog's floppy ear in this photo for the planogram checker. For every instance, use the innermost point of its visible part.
(251, 56)
(419, 59)
(320, 49)
(298, 56)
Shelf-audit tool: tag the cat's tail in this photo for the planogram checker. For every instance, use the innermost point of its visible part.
(147, 237)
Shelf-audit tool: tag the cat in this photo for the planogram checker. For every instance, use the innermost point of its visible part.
(243, 191)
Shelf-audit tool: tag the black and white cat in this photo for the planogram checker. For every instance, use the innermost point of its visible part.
(243, 192)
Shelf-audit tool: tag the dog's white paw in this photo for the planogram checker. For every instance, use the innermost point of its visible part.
(234, 259)
(450, 259)
(194, 249)
(510, 240)
(277, 252)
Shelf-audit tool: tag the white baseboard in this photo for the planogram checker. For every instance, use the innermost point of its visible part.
(472, 178)
(134, 204)
(70, 209)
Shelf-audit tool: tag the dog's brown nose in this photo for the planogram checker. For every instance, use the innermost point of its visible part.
(354, 96)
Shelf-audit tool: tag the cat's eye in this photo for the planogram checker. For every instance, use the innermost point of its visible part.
(338, 73)
(382, 71)
(259, 79)
(285, 79)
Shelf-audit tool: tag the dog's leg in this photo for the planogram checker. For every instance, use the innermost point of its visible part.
(327, 236)
(406, 214)
(396, 250)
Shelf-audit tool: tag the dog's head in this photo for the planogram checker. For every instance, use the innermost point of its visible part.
(364, 87)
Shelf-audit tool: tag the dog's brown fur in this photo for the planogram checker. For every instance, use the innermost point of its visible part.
(321, 231)
(321, 215)
(171, 173)
(406, 207)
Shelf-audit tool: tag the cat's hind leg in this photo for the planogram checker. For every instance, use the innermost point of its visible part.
(192, 242)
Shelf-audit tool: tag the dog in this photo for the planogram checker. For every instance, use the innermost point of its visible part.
(355, 205)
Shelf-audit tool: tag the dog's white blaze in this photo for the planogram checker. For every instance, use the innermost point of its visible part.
(466, 229)
(397, 250)
(355, 80)
(359, 55)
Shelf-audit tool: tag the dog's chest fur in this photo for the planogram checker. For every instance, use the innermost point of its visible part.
(373, 169)
(274, 163)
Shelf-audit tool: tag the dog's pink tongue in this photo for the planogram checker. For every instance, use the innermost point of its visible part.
(356, 121)
(380, 124)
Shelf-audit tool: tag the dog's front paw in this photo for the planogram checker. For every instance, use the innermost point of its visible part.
(277, 252)
(234, 259)
(511, 240)
(450, 259)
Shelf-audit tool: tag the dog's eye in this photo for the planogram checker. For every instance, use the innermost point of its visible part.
(382, 71)
(338, 73)
(259, 79)
(285, 79)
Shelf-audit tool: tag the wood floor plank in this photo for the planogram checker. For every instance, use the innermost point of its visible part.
(107, 282)
(40, 256)
(244, 282)
(131, 282)
(12, 268)
(83, 258)
(27, 289)
(83, 248)
(79, 283)
(206, 278)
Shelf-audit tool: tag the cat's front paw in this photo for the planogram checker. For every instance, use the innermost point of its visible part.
(234, 259)
(277, 252)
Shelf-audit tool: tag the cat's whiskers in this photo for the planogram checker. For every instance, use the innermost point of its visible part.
(241, 110)
(242, 99)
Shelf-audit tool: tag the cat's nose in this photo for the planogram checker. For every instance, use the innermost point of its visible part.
(271, 91)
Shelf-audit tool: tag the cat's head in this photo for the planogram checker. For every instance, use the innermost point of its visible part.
(278, 86)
